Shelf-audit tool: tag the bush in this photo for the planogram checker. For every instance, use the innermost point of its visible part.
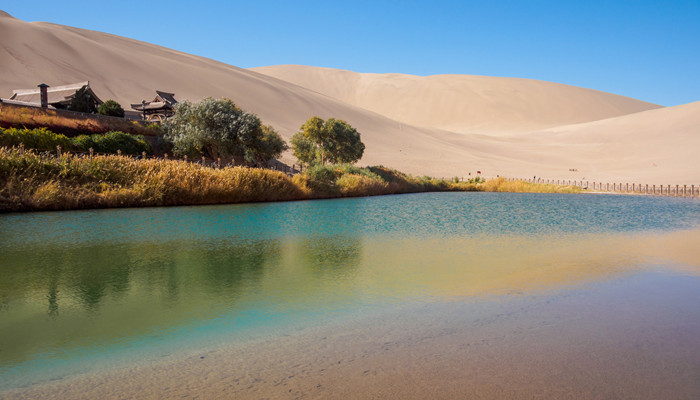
(323, 173)
(111, 108)
(38, 139)
(216, 128)
(360, 185)
(111, 142)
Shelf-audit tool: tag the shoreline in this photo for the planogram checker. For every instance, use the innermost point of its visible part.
(516, 346)
(31, 182)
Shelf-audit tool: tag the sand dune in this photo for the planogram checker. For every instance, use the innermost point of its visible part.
(462, 103)
(510, 130)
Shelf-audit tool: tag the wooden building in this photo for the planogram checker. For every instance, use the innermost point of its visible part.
(160, 108)
(59, 97)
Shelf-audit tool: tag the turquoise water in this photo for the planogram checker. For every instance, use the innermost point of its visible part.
(82, 290)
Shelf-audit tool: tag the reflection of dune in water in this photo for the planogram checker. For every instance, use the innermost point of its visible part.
(107, 294)
(512, 264)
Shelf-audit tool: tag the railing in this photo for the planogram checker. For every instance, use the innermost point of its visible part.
(629, 188)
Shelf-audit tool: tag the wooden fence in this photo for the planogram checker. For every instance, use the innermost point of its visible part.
(630, 188)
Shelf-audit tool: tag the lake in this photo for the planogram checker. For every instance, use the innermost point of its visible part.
(437, 294)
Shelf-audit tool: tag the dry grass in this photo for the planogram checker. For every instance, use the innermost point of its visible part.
(503, 185)
(355, 185)
(68, 122)
(29, 182)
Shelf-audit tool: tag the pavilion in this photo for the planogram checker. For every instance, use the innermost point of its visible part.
(160, 108)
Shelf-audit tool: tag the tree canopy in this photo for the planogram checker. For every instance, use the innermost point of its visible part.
(111, 108)
(333, 141)
(83, 102)
(217, 127)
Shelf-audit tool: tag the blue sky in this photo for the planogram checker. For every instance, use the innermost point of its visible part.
(648, 50)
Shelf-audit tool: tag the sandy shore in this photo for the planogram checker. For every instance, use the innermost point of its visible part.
(634, 337)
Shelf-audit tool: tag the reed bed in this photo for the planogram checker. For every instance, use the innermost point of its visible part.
(30, 181)
(503, 185)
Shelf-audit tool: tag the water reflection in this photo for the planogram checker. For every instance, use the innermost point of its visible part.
(332, 255)
(166, 272)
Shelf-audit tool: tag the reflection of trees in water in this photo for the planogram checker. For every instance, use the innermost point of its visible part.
(99, 272)
(91, 274)
(332, 254)
(52, 296)
(229, 268)
(85, 274)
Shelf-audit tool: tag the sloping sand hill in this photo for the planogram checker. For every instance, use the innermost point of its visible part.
(512, 134)
(462, 103)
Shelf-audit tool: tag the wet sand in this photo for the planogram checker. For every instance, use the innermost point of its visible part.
(631, 337)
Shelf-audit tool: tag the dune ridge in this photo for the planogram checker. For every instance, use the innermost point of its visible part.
(462, 103)
(507, 138)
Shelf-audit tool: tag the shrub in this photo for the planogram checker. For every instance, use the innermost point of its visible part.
(323, 173)
(39, 139)
(111, 142)
(111, 108)
(216, 128)
(360, 185)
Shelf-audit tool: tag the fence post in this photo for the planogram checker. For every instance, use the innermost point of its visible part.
(676, 190)
(165, 156)
(684, 190)
(21, 149)
(91, 150)
(692, 190)
(119, 152)
(143, 154)
(58, 152)
(218, 162)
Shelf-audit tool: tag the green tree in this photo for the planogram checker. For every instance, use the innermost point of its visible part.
(334, 141)
(83, 101)
(215, 128)
(111, 108)
(268, 145)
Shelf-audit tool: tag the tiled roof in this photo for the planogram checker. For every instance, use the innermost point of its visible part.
(57, 94)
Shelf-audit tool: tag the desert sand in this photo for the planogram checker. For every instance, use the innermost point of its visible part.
(444, 126)
(462, 103)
